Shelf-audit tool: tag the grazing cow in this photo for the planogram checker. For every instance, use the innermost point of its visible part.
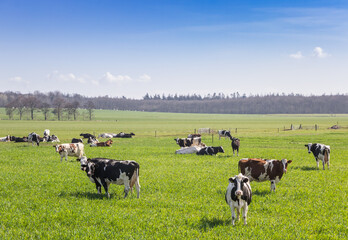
(70, 149)
(102, 144)
(103, 171)
(260, 170)
(76, 140)
(5, 139)
(210, 151)
(224, 133)
(320, 152)
(105, 135)
(92, 140)
(34, 138)
(87, 135)
(238, 195)
(235, 145)
(123, 135)
(194, 135)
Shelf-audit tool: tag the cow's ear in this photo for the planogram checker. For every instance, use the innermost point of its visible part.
(306, 145)
(245, 180)
(231, 179)
(289, 161)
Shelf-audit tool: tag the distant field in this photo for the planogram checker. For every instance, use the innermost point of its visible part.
(182, 196)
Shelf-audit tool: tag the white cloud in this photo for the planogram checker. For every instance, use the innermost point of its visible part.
(144, 78)
(116, 79)
(18, 79)
(69, 77)
(297, 55)
(319, 52)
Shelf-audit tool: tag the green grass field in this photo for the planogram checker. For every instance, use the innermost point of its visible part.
(182, 196)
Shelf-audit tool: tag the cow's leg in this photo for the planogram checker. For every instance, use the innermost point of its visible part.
(137, 186)
(237, 151)
(245, 212)
(316, 159)
(106, 187)
(323, 164)
(98, 186)
(273, 186)
(238, 211)
(233, 214)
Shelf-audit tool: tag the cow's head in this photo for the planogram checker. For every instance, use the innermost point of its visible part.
(220, 149)
(309, 145)
(84, 163)
(238, 182)
(285, 164)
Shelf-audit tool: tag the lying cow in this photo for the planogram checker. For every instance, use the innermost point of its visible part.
(5, 139)
(34, 138)
(102, 144)
(103, 171)
(87, 135)
(210, 151)
(235, 145)
(105, 135)
(224, 133)
(76, 140)
(92, 140)
(320, 152)
(123, 135)
(187, 142)
(194, 135)
(188, 150)
(52, 138)
(260, 170)
(238, 196)
(70, 149)
(21, 139)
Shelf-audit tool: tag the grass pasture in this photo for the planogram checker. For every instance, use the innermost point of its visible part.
(182, 196)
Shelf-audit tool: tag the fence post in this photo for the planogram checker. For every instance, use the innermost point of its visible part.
(212, 138)
(155, 133)
(236, 130)
(316, 127)
(278, 129)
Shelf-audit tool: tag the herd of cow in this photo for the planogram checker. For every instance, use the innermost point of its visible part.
(103, 171)
(238, 194)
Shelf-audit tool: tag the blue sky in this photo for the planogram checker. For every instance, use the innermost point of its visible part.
(130, 48)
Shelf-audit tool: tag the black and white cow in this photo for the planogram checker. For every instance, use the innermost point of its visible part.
(76, 140)
(103, 171)
(320, 152)
(5, 139)
(183, 142)
(224, 133)
(260, 170)
(52, 138)
(238, 196)
(92, 140)
(87, 135)
(235, 145)
(21, 139)
(34, 138)
(210, 151)
(123, 135)
(46, 135)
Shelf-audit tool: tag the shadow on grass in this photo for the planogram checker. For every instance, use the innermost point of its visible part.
(261, 193)
(88, 195)
(206, 223)
(305, 168)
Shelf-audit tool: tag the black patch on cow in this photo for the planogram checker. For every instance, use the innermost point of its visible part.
(210, 150)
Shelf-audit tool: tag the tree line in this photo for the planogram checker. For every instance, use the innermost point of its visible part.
(69, 106)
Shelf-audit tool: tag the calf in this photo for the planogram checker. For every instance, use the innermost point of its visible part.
(210, 151)
(224, 133)
(87, 135)
(235, 145)
(320, 152)
(238, 195)
(76, 140)
(53, 138)
(262, 170)
(92, 140)
(103, 171)
(70, 149)
(34, 138)
(102, 144)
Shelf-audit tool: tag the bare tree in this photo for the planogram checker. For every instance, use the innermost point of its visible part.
(58, 105)
(9, 110)
(90, 108)
(71, 109)
(45, 109)
(19, 103)
(32, 103)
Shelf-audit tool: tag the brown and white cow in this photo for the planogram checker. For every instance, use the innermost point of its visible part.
(261, 170)
(70, 149)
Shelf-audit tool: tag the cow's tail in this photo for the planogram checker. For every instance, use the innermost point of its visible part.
(326, 155)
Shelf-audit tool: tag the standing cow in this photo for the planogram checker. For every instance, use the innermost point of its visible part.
(238, 195)
(263, 170)
(224, 133)
(34, 138)
(69, 149)
(235, 145)
(320, 152)
(103, 171)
